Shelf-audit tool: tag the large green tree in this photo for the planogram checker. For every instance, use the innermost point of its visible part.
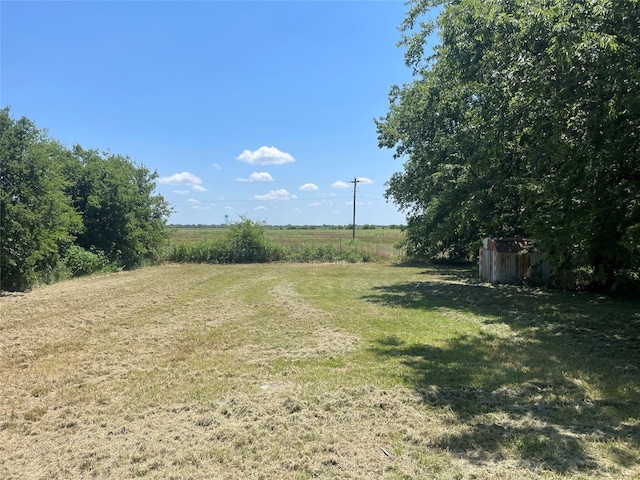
(37, 222)
(524, 121)
(52, 198)
(121, 214)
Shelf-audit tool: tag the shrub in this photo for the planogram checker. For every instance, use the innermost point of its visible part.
(247, 242)
(79, 261)
(244, 242)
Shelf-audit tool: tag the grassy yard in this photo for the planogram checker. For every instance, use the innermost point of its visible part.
(316, 371)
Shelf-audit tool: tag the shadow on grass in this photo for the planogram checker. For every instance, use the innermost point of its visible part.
(546, 375)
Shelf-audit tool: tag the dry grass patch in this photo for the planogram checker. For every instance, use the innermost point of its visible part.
(315, 371)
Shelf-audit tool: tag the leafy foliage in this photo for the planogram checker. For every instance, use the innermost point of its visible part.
(79, 262)
(526, 121)
(246, 242)
(121, 216)
(54, 201)
(37, 223)
(243, 242)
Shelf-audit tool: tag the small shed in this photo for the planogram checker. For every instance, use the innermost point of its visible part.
(512, 260)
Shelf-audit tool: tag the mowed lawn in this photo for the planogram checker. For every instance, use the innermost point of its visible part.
(357, 371)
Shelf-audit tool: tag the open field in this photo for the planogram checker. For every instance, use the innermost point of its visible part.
(381, 243)
(316, 371)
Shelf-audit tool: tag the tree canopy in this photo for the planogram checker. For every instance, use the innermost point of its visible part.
(53, 199)
(524, 121)
(37, 221)
(121, 215)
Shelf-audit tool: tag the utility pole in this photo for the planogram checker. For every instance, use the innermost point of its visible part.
(355, 182)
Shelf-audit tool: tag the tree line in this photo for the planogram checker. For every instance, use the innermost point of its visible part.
(525, 121)
(70, 211)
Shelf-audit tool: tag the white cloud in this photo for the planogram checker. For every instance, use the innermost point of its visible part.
(256, 177)
(181, 192)
(193, 200)
(184, 178)
(365, 181)
(198, 188)
(216, 166)
(260, 177)
(308, 187)
(265, 156)
(315, 204)
(261, 207)
(276, 195)
(202, 207)
(341, 184)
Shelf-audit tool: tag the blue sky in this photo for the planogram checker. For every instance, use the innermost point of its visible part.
(262, 109)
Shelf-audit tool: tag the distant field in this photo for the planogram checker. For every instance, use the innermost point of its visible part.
(300, 371)
(381, 243)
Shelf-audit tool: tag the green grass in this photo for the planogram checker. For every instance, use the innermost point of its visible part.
(381, 244)
(317, 371)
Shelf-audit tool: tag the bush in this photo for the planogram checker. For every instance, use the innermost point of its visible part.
(244, 242)
(79, 261)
